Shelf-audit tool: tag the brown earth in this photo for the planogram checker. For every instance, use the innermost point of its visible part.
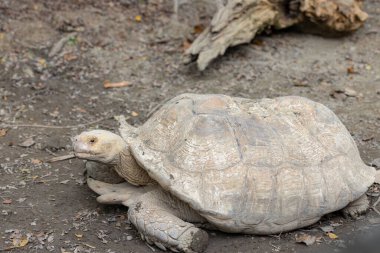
(55, 57)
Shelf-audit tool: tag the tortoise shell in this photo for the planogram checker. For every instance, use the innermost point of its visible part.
(253, 166)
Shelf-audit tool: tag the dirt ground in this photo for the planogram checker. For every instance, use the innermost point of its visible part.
(55, 57)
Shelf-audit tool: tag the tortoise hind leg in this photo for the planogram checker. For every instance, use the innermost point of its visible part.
(357, 207)
(159, 224)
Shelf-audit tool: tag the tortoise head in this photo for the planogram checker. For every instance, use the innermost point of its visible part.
(99, 145)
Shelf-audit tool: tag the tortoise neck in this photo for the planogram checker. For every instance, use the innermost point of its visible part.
(128, 169)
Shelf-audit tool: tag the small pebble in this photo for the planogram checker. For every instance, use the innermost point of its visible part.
(350, 92)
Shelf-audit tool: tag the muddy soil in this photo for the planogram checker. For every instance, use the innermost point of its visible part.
(55, 57)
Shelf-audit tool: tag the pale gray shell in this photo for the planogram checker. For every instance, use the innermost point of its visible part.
(253, 166)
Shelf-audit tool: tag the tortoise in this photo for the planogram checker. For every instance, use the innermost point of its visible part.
(233, 164)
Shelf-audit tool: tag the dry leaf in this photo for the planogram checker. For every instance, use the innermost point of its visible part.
(78, 109)
(108, 85)
(55, 113)
(134, 114)
(20, 200)
(306, 239)
(70, 57)
(17, 243)
(42, 62)
(138, 18)
(198, 28)
(351, 70)
(36, 161)
(336, 224)
(332, 236)
(27, 143)
(50, 238)
(3, 132)
(39, 86)
(25, 171)
(7, 201)
(79, 235)
(186, 44)
(258, 42)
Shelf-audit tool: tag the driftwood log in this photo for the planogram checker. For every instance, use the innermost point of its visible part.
(238, 21)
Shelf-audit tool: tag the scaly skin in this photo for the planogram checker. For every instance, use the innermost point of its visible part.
(158, 225)
(157, 215)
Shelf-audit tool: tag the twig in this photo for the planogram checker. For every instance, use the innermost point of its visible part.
(60, 158)
(45, 181)
(150, 247)
(121, 84)
(7, 249)
(8, 124)
(57, 47)
(50, 152)
(88, 245)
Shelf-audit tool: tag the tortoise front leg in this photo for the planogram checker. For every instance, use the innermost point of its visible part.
(155, 215)
(123, 193)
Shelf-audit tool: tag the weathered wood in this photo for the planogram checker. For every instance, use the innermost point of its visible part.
(338, 15)
(239, 21)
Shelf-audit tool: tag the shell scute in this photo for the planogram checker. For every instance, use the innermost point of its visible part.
(215, 105)
(198, 150)
(164, 128)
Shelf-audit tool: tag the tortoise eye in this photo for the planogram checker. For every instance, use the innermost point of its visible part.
(92, 140)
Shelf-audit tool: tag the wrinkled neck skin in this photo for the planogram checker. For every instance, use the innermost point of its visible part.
(128, 169)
